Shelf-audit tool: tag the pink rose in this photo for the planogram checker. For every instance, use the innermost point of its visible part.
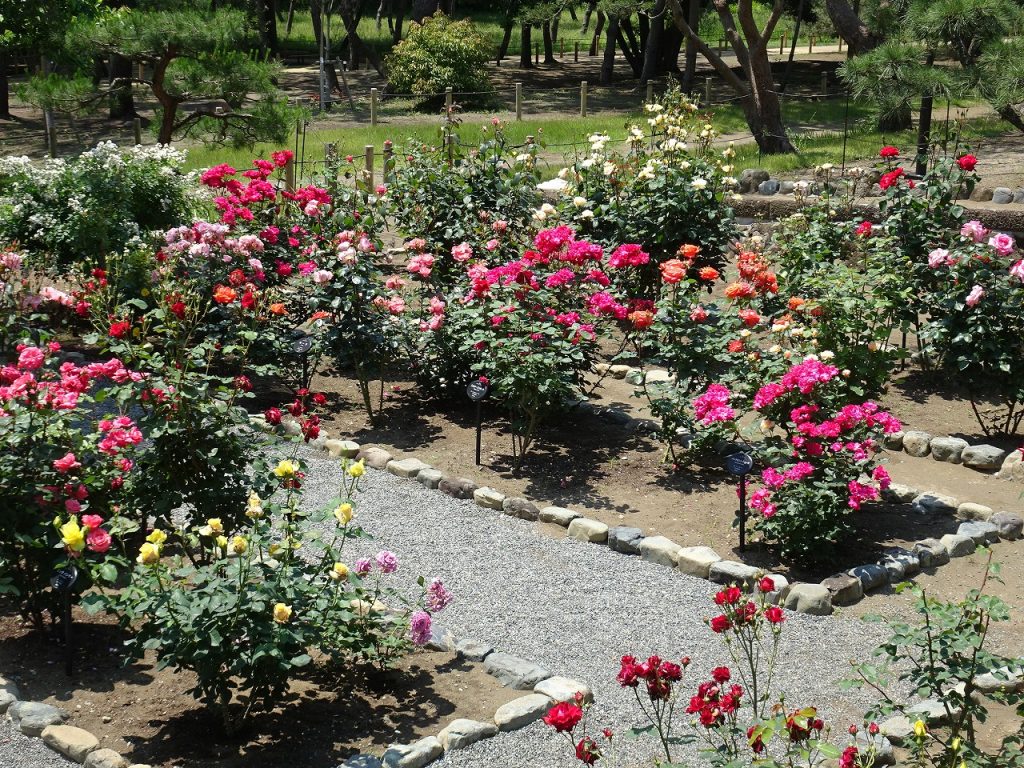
(92, 521)
(30, 358)
(976, 294)
(491, 244)
(72, 506)
(98, 540)
(1002, 244)
(1017, 270)
(462, 252)
(66, 463)
(938, 257)
(975, 230)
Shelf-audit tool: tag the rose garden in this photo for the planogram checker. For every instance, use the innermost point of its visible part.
(482, 462)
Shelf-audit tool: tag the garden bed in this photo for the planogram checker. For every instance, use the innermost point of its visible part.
(149, 716)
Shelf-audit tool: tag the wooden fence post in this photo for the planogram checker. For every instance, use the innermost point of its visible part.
(51, 139)
(707, 91)
(576, 52)
(782, 44)
(289, 174)
(137, 130)
(449, 98)
(373, 107)
(519, 101)
(583, 98)
(824, 83)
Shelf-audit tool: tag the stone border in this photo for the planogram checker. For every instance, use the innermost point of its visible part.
(982, 526)
(982, 457)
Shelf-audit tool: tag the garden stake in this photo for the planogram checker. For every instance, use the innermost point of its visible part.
(740, 463)
(62, 581)
(477, 391)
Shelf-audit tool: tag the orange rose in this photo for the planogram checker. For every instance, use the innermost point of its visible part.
(673, 270)
(739, 290)
(222, 294)
(688, 251)
(642, 319)
(708, 273)
(278, 309)
(795, 302)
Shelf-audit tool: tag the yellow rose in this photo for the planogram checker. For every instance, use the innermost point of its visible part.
(919, 729)
(286, 468)
(343, 513)
(255, 506)
(149, 554)
(339, 572)
(157, 537)
(275, 549)
(72, 536)
(239, 545)
(213, 526)
(358, 469)
(221, 542)
(282, 613)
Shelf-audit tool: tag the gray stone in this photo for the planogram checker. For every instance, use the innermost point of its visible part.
(898, 729)
(948, 449)
(660, 550)
(750, 178)
(786, 187)
(618, 371)
(900, 494)
(585, 529)
(457, 487)
(769, 187)
(931, 552)
(731, 572)
(871, 576)
(958, 546)
(844, 588)
(933, 712)
(1013, 467)
(971, 511)
(900, 563)
(473, 650)
(624, 539)
(1003, 679)
(342, 448)
(1010, 526)
(558, 515)
(73, 743)
(517, 506)
(488, 498)
(616, 416)
(777, 595)
(883, 751)
(521, 711)
(441, 639)
(463, 732)
(1018, 195)
(697, 561)
(981, 531)
(657, 376)
(105, 758)
(291, 427)
(374, 457)
(430, 478)
(813, 599)
(513, 672)
(9, 693)
(1002, 195)
(407, 468)
(916, 443)
(414, 755)
(32, 716)
(563, 689)
(984, 457)
(935, 503)
(362, 761)
(981, 194)
(893, 441)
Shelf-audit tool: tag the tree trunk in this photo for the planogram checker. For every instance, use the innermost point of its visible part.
(332, 73)
(167, 102)
(122, 105)
(608, 65)
(1009, 114)
(763, 109)
(671, 42)
(358, 47)
(634, 60)
(855, 33)
(401, 8)
(525, 52)
(5, 88)
(693, 11)
(792, 48)
(597, 33)
(506, 38)
(652, 48)
(423, 8)
(924, 124)
(549, 44)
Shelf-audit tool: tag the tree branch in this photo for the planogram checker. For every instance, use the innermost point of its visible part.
(777, 10)
(716, 61)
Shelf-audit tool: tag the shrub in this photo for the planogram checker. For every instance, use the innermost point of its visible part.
(75, 212)
(437, 54)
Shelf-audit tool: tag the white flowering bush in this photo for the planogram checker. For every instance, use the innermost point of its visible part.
(668, 189)
(75, 212)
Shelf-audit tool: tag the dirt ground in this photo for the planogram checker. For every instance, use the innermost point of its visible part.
(149, 716)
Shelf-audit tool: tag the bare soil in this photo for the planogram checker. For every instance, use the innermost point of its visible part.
(330, 714)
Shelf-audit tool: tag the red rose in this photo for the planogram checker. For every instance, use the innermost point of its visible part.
(671, 671)
(320, 398)
(563, 717)
(864, 228)
(766, 584)
(629, 673)
(243, 383)
(720, 624)
(774, 614)
(890, 178)
(887, 153)
(756, 743)
(729, 596)
(587, 751)
(721, 674)
(273, 416)
(120, 329)
(967, 162)
(178, 309)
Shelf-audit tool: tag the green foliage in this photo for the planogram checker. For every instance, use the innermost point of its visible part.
(440, 53)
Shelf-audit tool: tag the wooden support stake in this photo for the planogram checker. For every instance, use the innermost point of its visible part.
(576, 51)
(373, 107)
(649, 99)
(583, 98)
(519, 101)
(137, 130)
(449, 98)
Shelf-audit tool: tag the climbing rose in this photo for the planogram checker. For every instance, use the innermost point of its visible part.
(563, 717)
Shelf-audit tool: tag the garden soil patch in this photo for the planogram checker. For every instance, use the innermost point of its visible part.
(148, 715)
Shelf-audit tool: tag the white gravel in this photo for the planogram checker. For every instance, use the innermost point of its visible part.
(20, 751)
(576, 608)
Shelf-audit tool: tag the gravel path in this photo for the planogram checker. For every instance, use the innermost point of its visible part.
(20, 751)
(575, 608)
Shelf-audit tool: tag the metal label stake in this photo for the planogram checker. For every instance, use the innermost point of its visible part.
(740, 464)
(477, 391)
(62, 582)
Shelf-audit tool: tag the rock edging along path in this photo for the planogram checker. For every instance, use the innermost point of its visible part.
(981, 527)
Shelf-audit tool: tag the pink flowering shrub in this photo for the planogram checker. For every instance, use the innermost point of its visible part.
(818, 447)
(64, 472)
(734, 714)
(531, 326)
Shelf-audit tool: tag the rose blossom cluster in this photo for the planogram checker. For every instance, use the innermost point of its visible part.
(715, 702)
(738, 612)
(713, 405)
(803, 376)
